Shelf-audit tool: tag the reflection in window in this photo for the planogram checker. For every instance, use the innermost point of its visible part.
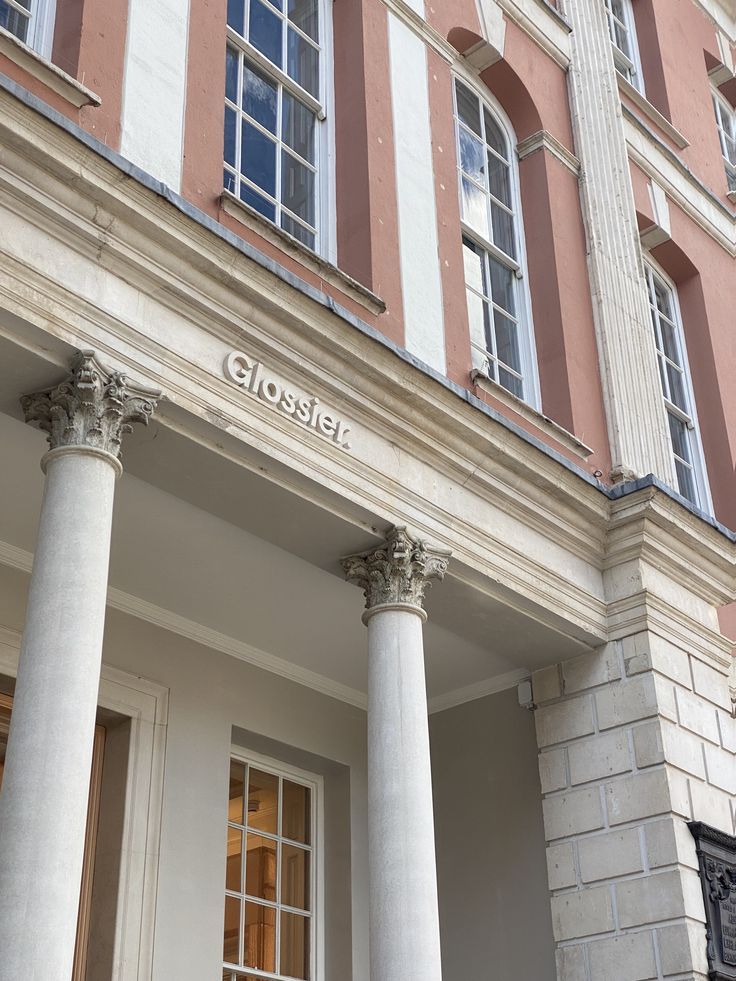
(726, 123)
(676, 389)
(31, 21)
(273, 109)
(499, 327)
(622, 31)
(269, 878)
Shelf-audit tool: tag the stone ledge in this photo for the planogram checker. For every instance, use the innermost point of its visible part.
(45, 71)
(651, 112)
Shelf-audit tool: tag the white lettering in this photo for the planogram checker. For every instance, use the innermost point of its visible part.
(249, 374)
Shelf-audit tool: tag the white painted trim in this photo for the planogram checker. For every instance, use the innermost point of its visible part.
(544, 140)
(45, 71)
(145, 703)
(480, 689)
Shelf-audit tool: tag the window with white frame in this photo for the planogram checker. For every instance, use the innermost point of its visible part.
(272, 872)
(726, 123)
(622, 31)
(679, 402)
(275, 110)
(31, 21)
(493, 248)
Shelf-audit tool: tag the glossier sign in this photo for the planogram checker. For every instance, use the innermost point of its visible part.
(251, 376)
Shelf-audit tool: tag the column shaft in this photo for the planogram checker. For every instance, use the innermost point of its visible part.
(43, 804)
(404, 917)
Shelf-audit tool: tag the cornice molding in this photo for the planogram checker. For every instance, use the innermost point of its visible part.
(543, 140)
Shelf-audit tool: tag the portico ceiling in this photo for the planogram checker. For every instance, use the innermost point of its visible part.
(220, 542)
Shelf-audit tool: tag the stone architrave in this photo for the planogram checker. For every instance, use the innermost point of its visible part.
(43, 805)
(404, 917)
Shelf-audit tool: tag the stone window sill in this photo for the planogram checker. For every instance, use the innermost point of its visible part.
(54, 78)
(537, 419)
(731, 197)
(652, 114)
(330, 273)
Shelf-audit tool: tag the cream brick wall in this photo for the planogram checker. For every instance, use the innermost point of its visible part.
(635, 740)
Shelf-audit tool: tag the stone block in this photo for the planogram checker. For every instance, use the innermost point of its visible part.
(650, 899)
(721, 768)
(627, 702)
(677, 747)
(648, 652)
(697, 715)
(648, 745)
(561, 866)
(679, 792)
(711, 684)
(571, 963)
(546, 684)
(682, 948)
(604, 755)
(692, 892)
(581, 914)
(669, 842)
(590, 670)
(552, 770)
(630, 956)
(711, 805)
(563, 721)
(640, 796)
(572, 814)
(611, 855)
(727, 727)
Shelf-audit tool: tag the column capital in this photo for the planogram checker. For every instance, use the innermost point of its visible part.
(93, 408)
(398, 572)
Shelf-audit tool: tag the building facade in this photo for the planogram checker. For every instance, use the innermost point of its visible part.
(367, 514)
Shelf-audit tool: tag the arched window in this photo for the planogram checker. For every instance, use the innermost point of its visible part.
(622, 30)
(677, 390)
(493, 248)
(726, 123)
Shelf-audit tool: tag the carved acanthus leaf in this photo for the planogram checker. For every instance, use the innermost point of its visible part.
(93, 407)
(399, 571)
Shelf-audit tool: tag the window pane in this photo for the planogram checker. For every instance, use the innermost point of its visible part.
(294, 945)
(231, 944)
(662, 299)
(297, 187)
(473, 265)
(295, 877)
(503, 230)
(680, 438)
(230, 132)
(236, 15)
(260, 868)
(260, 97)
(257, 201)
(479, 320)
(498, 173)
(231, 74)
(472, 156)
(258, 160)
(677, 388)
(303, 13)
(263, 801)
(507, 344)
(474, 207)
(297, 807)
(495, 136)
(303, 62)
(260, 937)
(295, 228)
(468, 108)
(233, 875)
(237, 789)
(502, 285)
(265, 31)
(669, 340)
(297, 127)
(510, 382)
(13, 20)
(686, 482)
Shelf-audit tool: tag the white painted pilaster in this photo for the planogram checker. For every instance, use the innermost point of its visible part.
(154, 87)
(637, 423)
(424, 332)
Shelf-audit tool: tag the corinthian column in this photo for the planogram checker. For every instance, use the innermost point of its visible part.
(43, 804)
(404, 917)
